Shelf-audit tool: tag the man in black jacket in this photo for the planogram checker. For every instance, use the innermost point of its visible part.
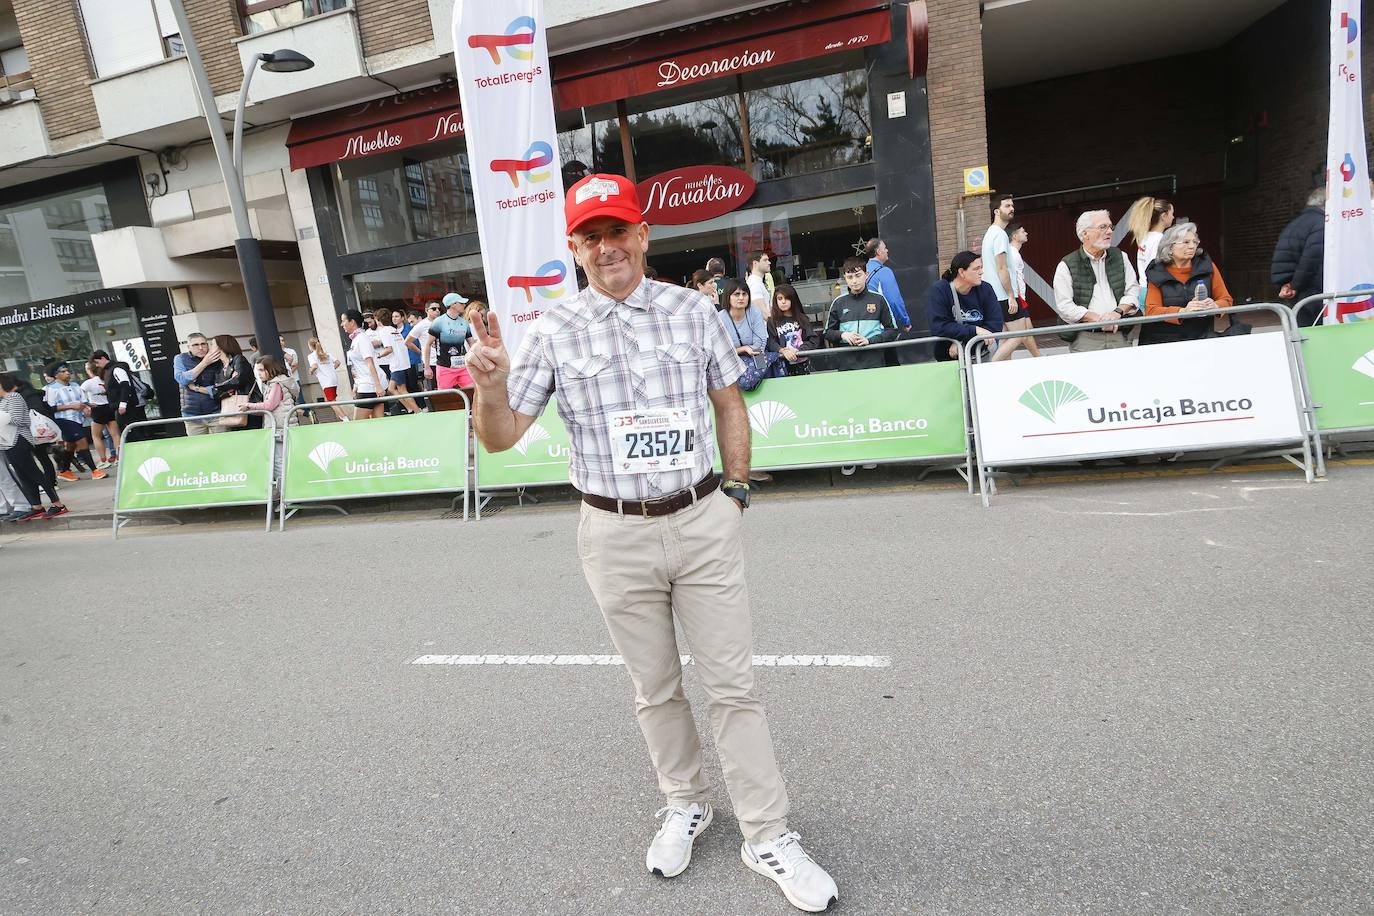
(1297, 265)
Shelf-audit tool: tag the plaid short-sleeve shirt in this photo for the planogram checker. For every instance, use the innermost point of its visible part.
(661, 347)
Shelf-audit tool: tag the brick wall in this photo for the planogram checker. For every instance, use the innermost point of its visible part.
(216, 25)
(56, 45)
(1163, 117)
(1177, 116)
(958, 128)
(385, 25)
(1277, 75)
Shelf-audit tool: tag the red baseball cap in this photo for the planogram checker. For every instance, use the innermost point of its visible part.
(602, 195)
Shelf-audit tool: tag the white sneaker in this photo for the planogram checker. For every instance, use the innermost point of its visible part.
(103, 465)
(847, 470)
(671, 851)
(805, 884)
(869, 467)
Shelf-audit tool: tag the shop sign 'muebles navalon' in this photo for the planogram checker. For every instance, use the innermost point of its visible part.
(693, 194)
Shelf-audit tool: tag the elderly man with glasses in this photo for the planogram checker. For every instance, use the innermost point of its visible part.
(1095, 282)
(195, 374)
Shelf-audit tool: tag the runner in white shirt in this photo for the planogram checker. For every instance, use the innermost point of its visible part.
(292, 361)
(397, 357)
(362, 359)
(325, 369)
(102, 417)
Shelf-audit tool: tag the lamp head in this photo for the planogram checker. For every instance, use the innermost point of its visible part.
(285, 61)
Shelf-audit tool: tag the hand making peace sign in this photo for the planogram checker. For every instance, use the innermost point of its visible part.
(487, 360)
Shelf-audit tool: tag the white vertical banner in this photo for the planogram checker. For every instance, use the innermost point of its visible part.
(501, 53)
(1349, 253)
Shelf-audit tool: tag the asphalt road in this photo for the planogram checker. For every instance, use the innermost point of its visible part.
(1142, 696)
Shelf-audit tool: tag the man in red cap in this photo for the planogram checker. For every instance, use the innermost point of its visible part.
(641, 370)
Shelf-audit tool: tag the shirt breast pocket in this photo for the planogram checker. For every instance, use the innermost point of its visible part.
(584, 383)
(678, 375)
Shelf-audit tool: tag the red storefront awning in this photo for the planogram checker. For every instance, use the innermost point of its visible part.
(725, 60)
(379, 126)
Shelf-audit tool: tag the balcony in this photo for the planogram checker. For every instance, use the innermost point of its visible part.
(26, 136)
(151, 98)
(330, 40)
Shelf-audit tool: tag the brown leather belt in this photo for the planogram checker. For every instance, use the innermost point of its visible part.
(653, 508)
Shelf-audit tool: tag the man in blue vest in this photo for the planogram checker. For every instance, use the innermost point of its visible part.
(1095, 282)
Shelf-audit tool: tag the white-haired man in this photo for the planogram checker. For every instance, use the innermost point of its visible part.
(1095, 282)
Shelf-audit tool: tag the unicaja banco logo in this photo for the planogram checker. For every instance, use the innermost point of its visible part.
(764, 414)
(547, 281)
(154, 466)
(517, 41)
(535, 433)
(1364, 365)
(325, 453)
(533, 166)
(1045, 398)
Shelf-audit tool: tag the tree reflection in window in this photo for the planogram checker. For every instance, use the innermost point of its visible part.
(810, 125)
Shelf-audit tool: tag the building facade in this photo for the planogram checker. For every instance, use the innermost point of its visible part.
(854, 118)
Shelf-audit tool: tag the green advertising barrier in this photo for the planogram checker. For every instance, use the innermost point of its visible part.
(905, 413)
(195, 472)
(539, 459)
(390, 456)
(1339, 359)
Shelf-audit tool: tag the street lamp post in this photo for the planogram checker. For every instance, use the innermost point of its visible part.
(230, 167)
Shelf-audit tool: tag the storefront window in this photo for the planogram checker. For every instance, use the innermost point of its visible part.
(45, 245)
(27, 349)
(410, 196)
(589, 141)
(801, 122)
(413, 285)
(808, 241)
(705, 131)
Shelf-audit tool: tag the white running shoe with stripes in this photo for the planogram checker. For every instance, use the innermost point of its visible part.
(805, 884)
(671, 851)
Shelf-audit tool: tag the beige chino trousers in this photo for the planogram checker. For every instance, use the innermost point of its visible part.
(642, 572)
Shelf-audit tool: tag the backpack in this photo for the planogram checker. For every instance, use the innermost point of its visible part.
(141, 390)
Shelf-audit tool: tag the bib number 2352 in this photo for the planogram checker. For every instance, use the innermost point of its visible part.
(649, 441)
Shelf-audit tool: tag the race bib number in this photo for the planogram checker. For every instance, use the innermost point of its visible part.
(650, 441)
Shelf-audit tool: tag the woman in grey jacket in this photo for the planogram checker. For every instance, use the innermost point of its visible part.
(20, 454)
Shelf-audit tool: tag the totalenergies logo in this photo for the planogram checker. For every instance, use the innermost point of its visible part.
(1348, 172)
(547, 280)
(539, 155)
(518, 41)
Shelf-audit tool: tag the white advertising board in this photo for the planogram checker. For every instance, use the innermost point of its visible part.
(1178, 396)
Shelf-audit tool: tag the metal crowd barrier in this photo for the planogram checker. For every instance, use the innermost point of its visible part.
(287, 509)
(1301, 339)
(160, 511)
(965, 468)
(1307, 422)
(961, 460)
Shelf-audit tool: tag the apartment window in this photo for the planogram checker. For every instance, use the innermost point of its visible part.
(16, 83)
(124, 35)
(263, 15)
(45, 245)
(410, 196)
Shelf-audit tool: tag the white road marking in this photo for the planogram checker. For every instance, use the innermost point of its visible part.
(760, 661)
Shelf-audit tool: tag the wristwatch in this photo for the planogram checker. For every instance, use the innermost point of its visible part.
(737, 490)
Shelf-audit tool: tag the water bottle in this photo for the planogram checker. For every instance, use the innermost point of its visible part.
(1200, 292)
